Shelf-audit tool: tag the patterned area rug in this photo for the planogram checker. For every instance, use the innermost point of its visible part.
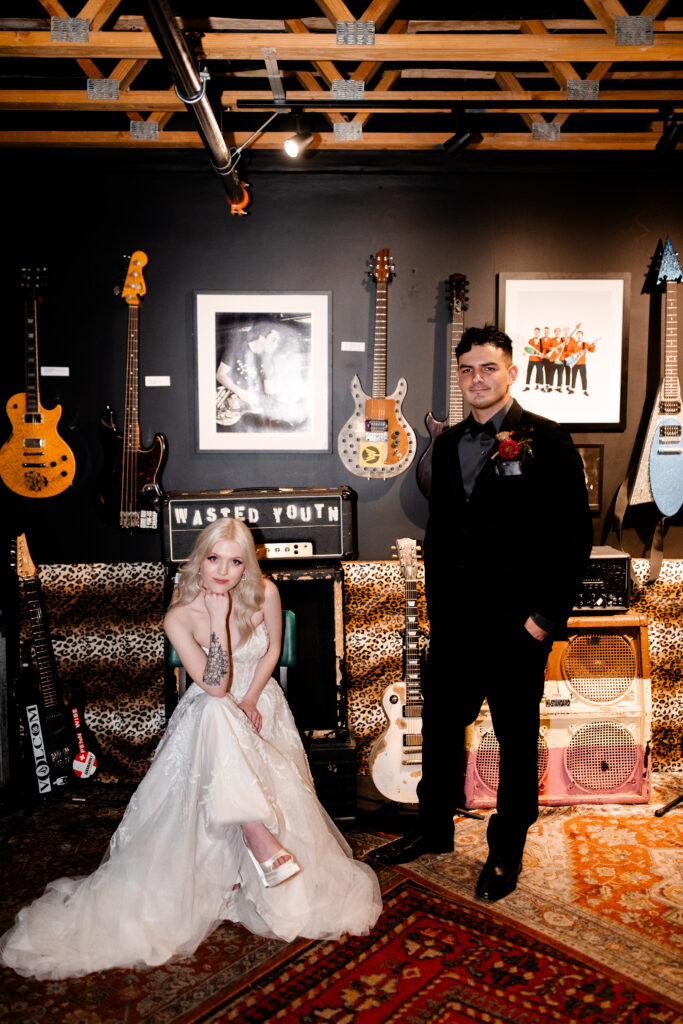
(592, 934)
(605, 882)
(433, 958)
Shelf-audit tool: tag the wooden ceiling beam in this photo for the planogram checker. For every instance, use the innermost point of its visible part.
(388, 47)
(97, 12)
(415, 141)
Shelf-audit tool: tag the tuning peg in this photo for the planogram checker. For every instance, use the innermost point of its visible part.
(117, 289)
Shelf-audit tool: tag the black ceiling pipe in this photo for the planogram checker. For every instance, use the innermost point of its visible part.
(190, 88)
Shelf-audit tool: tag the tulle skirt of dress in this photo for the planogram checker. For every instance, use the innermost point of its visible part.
(167, 879)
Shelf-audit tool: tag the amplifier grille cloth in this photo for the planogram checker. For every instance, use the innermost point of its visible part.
(488, 759)
(601, 755)
(599, 667)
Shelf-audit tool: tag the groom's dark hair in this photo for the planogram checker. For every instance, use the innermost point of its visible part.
(487, 335)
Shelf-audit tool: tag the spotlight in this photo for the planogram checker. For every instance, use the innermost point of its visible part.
(296, 144)
(671, 130)
(460, 141)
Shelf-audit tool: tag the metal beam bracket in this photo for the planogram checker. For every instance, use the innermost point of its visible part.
(634, 31)
(355, 33)
(274, 74)
(103, 88)
(582, 89)
(545, 132)
(348, 131)
(144, 130)
(347, 89)
(201, 92)
(69, 30)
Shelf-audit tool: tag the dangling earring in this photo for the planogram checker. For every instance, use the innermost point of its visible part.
(244, 576)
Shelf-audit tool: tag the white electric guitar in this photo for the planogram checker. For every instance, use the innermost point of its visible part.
(659, 476)
(396, 756)
(377, 440)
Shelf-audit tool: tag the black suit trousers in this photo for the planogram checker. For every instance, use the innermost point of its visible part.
(470, 661)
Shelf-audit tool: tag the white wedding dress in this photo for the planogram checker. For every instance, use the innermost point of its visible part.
(167, 879)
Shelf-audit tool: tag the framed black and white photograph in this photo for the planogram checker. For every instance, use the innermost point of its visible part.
(263, 371)
(592, 456)
(570, 343)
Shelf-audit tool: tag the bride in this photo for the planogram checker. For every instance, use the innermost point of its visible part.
(226, 824)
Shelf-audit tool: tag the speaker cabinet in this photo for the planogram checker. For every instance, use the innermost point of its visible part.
(596, 721)
(316, 685)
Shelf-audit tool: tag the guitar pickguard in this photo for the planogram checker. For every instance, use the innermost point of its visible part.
(396, 756)
(659, 476)
(377, 440)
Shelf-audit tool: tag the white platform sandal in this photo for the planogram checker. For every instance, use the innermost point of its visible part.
(271, 876)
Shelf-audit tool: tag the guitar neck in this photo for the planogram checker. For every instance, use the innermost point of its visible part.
(412, 649)
(42, 646)
(671, 386)
(379, 356)
(131, 422)
(32, 414)
(456, 407)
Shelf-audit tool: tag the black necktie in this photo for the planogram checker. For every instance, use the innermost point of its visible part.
(476, 429)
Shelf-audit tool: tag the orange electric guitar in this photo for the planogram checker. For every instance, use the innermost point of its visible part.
(34, 462)
(377, 440)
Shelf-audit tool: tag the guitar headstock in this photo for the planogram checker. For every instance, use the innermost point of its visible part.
(33, 280)
(26, 570)
(134, 284)
(669, 268)
(382, 266)
(458, 286)
(407, 551)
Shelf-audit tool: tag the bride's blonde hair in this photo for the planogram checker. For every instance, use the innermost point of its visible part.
(249, 594)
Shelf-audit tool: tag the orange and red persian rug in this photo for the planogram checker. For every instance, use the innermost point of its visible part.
(592, 934)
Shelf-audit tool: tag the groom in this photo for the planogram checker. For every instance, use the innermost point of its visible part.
(508, 537)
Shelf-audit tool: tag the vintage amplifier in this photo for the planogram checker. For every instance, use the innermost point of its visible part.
(606, 584)
(303, 523)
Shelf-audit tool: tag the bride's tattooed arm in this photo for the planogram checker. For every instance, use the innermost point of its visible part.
(217, 663)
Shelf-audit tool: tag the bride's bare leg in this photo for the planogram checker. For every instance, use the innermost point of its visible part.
(263, 843)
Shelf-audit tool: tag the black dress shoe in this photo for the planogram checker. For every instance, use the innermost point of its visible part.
(495, 881)
(408, 848)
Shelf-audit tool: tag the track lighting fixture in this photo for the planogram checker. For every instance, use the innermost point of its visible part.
(296, 144)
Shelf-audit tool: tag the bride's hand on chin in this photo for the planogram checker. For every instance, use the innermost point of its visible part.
(217, 605)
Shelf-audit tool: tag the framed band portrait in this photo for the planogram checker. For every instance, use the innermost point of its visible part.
(262, 371)
(570, 343)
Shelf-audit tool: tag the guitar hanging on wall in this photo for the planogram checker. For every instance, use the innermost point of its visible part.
(396, 756)
(63, 747)
(130, 490)
(34, 462)
(455, 407)
(659, 476)
(377, 440)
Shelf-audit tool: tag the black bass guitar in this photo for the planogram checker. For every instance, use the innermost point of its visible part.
(455, 405)
(130, 491)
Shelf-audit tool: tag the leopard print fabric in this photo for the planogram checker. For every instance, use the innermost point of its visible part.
(374, 602)
(106, 628)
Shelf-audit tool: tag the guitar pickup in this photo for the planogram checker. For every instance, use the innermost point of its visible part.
(34, 442)
(377, 426)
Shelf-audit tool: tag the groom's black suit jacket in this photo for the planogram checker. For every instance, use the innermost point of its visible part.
(520, 545)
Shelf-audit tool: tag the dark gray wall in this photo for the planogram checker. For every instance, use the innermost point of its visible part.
(79, 212)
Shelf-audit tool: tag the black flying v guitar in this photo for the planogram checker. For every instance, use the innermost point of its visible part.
(130, 490)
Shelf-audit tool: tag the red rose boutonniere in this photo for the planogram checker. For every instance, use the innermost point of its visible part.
(512, 445)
